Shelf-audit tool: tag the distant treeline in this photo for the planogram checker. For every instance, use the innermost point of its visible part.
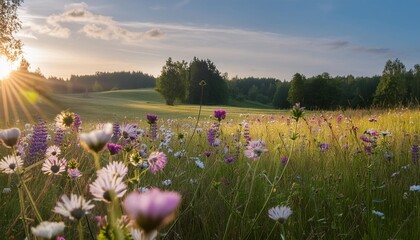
(101, 81)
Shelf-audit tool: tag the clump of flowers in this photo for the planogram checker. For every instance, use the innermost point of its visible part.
(152, 209)
(255, 149)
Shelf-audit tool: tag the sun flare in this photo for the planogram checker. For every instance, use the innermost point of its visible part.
(6, 68)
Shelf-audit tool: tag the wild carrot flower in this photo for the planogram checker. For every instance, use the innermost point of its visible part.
(54, 165)
(157, 161)
(48, 230)
(74, 207)
(150, 210)
(255, 149)
(107, 185)
(113, 148)
(53, 151)
(219, 114)
(96, 140)
(280, 213)
(9, 137)
(115, 169)
(10, 164)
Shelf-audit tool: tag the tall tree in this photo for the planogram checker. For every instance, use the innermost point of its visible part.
(297, 90)
(280, 96)
(391, 89)
(10, 47)
(172, 81)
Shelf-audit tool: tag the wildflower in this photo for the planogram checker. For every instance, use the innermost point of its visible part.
(54, 165)
(115, 169)
(220, 114)
(96, 140)
(77, 122)
(52, 151)
(128, 131)
(255, 149)
(167, 182)
(199, 163)
(143, 189)
(157, 161)
(373, 119)
(379, 214)
(211, 135)
(152, 209)
(324, 147)
(59, 135)
(280, 213)
(48, 230)
(284, 160)
(38, 145)
(74, 207)
(297, 112)
(74, 173)
(151, 119)
(9, 137)
(10, 164)
(415, 188)
(7, 190)
(116, 132)
(207, 153)
(415, 154)
(113, 148)
(65, 119)
(107, 185)
(229, 159)
(339, 118)
(138, 234)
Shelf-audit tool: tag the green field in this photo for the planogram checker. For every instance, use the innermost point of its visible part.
(344, 169)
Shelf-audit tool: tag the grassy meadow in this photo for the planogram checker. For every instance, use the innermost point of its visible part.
(344, 175)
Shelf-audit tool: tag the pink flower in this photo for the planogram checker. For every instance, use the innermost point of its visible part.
(255, 149)
(150, 210)
(157, 161)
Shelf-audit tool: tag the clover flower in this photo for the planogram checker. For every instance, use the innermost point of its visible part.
(157, 161)
(219, 114)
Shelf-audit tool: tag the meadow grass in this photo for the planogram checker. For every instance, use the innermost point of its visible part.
(332, 190)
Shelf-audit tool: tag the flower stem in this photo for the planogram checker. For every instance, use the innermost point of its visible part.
(80, 229)
(272, 230)
(97, 162)
(87, 219)
(22, 211)
(31, 201)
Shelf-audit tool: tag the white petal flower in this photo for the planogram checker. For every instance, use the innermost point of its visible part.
(106, 185)
(117, 169)
(10, 164)
(379, 214)
(48, 230)
(415, 188)
(279, 213)
(9, 137)
(96, 140)
(74, 207)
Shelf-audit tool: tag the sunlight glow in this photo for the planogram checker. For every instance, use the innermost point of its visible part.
(6, 68)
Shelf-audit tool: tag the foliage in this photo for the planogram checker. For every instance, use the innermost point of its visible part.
(172, 83)
(297, 89)
(392, 88)
(9, 25)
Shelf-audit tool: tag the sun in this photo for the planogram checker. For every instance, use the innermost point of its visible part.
(5, 68)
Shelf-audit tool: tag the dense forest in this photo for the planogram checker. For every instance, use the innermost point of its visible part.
(199, 81)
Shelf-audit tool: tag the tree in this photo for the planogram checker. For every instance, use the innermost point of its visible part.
(297, 90)
(10, 47)
(391, 89)
(172, 81)
(280, 96)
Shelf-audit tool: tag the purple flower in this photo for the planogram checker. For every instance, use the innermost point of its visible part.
(324, 147)
(339, 118)
(229, 159)
(115, 132)
(415, 154)
(59, 135)
(113, 148)
(284, 160)
(219, 114)
(77, 122)
(157, 161)
(38, 145)
(207, 153)
(211, 135)
(150, 210)
(255, 149)
(151, 118)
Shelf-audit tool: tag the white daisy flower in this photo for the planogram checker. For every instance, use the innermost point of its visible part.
(106, 185)
(138, 234)
(199, 163)
(280, 213)
(48, 230)
(53, 151)
(116, 169)
(10, 164)
(54, 165)
(74, 207)
(96, 140)
(379, 214)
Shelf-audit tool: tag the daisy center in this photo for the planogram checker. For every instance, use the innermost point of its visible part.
(77, 213)
(107, 196)
(68, 121)
(55, 168)
(12, 166)
(125, 134)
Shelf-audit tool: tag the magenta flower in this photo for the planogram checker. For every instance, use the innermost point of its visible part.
(113, 148)
(150, 210)
(151, 118)
(219, 114)
(324, 147)
(157, 161)
(255, 149)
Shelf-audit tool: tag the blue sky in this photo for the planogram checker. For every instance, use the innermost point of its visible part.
(264, 38)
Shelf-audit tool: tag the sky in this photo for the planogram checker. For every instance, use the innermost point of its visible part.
(244, 38)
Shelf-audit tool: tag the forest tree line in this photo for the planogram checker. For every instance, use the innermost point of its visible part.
(199, 81)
